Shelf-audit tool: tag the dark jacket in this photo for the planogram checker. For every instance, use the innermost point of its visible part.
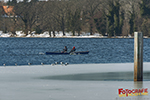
(65, 49)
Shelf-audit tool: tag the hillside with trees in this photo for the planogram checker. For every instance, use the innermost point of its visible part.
(114, 17)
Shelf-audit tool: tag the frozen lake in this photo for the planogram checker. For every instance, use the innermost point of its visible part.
(71, 82)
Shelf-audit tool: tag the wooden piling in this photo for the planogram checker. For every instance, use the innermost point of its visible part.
(138, 56)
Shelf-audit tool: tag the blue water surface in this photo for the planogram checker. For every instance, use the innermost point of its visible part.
(102, 50)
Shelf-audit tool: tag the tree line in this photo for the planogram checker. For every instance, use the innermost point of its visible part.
(114, 17)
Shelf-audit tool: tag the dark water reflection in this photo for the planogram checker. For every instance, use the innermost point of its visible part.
(109, 76)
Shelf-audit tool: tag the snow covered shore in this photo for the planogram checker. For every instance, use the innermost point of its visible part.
(59, 35)
(71, 82)
(46, 34)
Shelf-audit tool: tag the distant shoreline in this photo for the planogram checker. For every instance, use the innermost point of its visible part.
(19, 34)
(77, 37)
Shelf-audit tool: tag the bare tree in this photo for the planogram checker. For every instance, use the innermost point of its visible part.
(75, 17)
(47, 20)
(61, 13)
(41, 20)
(91, 9)
(27, 12)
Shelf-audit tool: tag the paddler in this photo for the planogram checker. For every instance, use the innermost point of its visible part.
(65, 49)
(73, 49)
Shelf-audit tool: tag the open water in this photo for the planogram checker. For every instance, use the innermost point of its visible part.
(31, 50)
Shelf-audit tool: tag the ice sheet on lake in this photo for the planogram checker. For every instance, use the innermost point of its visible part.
(71, 82)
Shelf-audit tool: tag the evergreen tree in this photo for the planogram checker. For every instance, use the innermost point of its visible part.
(144, 8)
(73, 21)
(110, 18)
(145, 13)
(133, 19)
(131, 22)
(100, 22)
(121, 21)
(116, 17)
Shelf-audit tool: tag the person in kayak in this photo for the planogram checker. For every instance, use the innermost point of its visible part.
(73, 49)
(65, 49)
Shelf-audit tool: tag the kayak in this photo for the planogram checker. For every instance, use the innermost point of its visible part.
(66, 53)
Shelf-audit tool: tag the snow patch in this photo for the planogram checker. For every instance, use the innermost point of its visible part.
(58, 34)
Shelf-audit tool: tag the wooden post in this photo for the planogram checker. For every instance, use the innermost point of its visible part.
(138, 56)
